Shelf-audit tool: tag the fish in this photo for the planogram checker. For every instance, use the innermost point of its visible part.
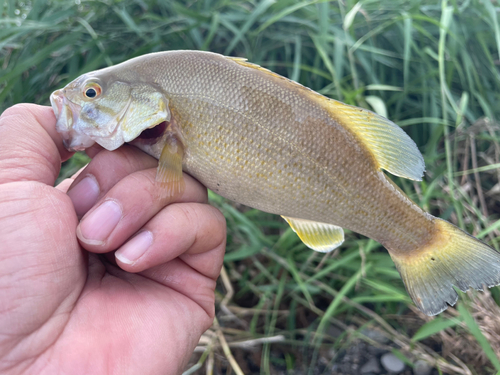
(262, 140)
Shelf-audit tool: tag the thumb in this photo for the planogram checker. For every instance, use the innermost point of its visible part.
(30, 147)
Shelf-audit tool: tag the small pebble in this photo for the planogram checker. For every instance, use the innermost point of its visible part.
(375, 335)
(371, 367)
(422, 368)
(392, 363)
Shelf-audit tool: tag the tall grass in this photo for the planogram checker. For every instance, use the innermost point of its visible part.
(432, 68)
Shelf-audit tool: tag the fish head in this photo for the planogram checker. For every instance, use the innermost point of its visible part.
(100, 108)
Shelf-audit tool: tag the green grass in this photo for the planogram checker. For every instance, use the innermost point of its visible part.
(432, 68)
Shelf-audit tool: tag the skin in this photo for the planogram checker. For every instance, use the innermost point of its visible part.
(67, 303)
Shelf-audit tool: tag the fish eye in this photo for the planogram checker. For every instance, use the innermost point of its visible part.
(92, 91)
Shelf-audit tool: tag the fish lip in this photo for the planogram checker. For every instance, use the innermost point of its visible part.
(66, 113)
(74, 146)
(65, 110)
(56, 101)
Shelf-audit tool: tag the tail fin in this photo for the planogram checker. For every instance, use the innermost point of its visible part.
(451, 258)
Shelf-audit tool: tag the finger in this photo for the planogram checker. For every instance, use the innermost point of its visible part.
(184, 250)
(93, 150)
(129, 205)
(30, 147)
(65, 184)
(192, 230)
(103, 172)
(179, 276)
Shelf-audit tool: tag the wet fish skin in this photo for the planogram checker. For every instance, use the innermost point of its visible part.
(267, 142)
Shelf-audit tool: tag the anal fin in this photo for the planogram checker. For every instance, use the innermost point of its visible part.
(317, 236)
(169, 173)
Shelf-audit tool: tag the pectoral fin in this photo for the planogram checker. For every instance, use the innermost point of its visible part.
(318, 236)
(169, 173)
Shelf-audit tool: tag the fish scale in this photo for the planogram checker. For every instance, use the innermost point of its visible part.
(335, 172)
(267, 142)
(249, 103)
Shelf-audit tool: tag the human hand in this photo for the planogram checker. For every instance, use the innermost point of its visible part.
(70, 305)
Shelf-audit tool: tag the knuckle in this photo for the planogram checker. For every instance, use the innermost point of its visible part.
(218, 215)
(22, 112)
(144, 182)
(209, 224)
(16, 110)
(185, 214)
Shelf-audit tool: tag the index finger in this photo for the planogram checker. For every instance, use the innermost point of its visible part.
(30, 147)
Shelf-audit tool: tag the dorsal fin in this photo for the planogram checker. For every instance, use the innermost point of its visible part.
(391, 147)
(244, 62)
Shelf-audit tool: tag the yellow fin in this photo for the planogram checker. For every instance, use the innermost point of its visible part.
(451, 258)
(243, 62)
(318, 236)
(391, 147)
(169, 172)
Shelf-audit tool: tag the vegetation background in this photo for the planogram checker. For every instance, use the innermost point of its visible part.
(431, 67)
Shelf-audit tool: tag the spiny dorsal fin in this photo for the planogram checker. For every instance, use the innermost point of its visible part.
(243, 62)
(391, 147)
(318, 236)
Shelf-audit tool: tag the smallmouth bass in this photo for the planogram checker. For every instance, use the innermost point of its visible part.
(262, 140)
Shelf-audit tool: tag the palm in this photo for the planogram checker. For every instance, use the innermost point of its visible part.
(128, 318)
(64, 310)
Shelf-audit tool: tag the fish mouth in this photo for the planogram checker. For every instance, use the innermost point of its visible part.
(66, 113)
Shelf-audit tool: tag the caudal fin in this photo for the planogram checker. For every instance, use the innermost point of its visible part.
(451, 258)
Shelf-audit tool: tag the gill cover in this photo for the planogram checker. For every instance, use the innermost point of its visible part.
(121, 113)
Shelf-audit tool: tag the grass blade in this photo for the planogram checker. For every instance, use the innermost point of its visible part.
(434, 326)
(260, 9)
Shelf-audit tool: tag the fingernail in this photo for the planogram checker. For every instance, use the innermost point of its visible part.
(84, 195)
(96, 227)
(135, 248)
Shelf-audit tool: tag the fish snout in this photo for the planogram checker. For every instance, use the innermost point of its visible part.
(62, 111)
(57, 102)
(67, 114)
